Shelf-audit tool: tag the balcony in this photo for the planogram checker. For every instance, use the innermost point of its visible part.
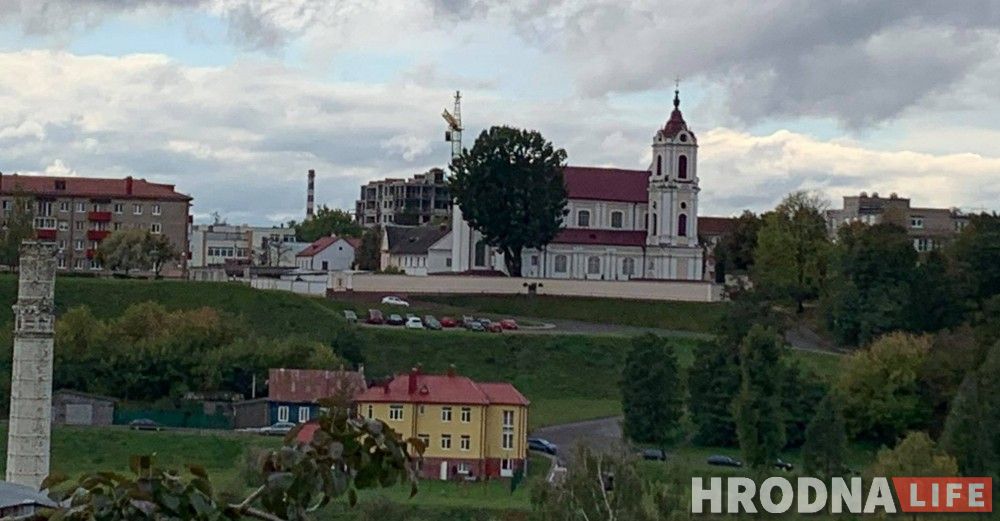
(47, 234)
(101, 217)
(97, 235)
(91, 254)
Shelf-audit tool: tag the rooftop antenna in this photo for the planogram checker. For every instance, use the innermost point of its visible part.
(454, 119)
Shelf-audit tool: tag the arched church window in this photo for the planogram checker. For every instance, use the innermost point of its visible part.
(480, 256)
(628, 266)
(659, 165)
(560, 264)
(583, 218)
(593, 265)
(654, 224)
(682, 167)
(682, 225)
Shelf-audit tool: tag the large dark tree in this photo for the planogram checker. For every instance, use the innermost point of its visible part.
(369, 253)
(975, 252)
(652, 392)
(510, 187)
(825, 446)
(972, 431)
(734, 253)
(760, 417)
(326, 222)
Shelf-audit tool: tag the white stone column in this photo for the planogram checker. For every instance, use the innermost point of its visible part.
(29, 434)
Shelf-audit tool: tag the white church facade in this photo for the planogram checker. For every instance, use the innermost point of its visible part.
(620, 224)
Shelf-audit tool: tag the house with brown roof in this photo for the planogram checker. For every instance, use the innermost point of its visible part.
(471, 430)
(328, 254)
(293, 395)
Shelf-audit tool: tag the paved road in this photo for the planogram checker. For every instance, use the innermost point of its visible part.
(599, 435)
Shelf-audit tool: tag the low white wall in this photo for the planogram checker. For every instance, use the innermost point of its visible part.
(448, 284)
(295, 286)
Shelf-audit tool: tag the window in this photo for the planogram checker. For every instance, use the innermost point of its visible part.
(446, 442)
(61, 263)
(283, 413)
(560, 264)
(659, 165)
(156, 209)
(583, 218)
(45, 223)
(79, 225)
(78, 264)
(81, 207)
(155, 228)
(465, 442)
(616, 219)
(628, 266)
(446, 414)
(480, 256)
(63, 226)
(371, 411)
(464, 468)
(64, 206)
(960, 225)
(682, 225)
(923, 244)
(6, 205)
(62, 244)
(396, 413)
(508, 418)
(682, 167)
(326, 265)
(507, 441)
(303, 414)
(117, 226)
(447, 262)
(137, 209)
(466, 414)
(916, 222)
(119, 208)
(44, 208)
(78, 245)
(593, 265)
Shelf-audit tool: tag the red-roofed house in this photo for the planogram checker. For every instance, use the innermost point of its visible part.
(77, 213)
(328, 254)
(293, 395)
(471, 429)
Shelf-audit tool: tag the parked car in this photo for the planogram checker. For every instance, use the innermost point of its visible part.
(375, 317)
(278, 429)
(508, 323)
(395, 301)
(653, 454)
(144, 424)
(350, 316)
(494, 327)
(448, 322)
(543, 445)
(414, 323)
(432, 323)
(395, 320)
(485, 321)
(724, 461)
(466, 319)
(474, 325)
(783, 465)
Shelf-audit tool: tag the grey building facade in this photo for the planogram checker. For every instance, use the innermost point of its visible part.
(930, 228)
(415, 201)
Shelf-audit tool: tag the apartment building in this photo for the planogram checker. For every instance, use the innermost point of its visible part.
(79, 212)
(929, 228)
(414, 201)
(216, 244)
(471, 430)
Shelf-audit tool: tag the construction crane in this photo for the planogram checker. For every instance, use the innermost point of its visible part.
(454, 133)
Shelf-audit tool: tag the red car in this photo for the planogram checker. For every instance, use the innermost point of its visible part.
(508, 323)
(494, 327)
(448, 322)
(375, 317)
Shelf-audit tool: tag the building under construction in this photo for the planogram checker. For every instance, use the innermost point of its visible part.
(421, 199)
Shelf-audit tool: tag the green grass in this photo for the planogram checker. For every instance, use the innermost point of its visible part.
(556, 411)
(700, 317)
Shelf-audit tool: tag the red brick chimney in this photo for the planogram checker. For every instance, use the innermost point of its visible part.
(414, 373)
(128, 185)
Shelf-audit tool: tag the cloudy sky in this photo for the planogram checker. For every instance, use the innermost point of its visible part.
(233, 100)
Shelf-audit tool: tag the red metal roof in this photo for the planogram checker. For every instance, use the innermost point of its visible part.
(311, 385)
(317, 246)
(601, 237)
(417, 387)
(711, 226)
(127, 188)
(607, 184)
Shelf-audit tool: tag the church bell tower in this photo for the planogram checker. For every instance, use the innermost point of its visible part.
(672, 218)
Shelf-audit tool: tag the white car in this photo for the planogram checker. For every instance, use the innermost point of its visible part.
(395, 301)
(414, 323)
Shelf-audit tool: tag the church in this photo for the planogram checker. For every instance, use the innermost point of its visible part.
(620, 224)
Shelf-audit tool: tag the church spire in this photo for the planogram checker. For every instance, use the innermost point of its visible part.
(677, 94)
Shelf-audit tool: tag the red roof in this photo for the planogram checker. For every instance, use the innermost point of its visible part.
(305, 434)
(417, 387)
(355, 242)
(127, 188)
(676, 122)
(317, 246)
(715, 225)
(311, 385)
(601, 237)
(606, 184)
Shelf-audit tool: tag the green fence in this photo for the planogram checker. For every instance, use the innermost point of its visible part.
(187, 418)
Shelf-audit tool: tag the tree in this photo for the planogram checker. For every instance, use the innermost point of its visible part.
(136, 249)
(790, 258)
(874, 269)
(825, 447)
(935, 300)
(734, 252)
(916, 455)
(510, 187)
(801, 392)
(975, 252)
(652, 392)
(760, 420)
(17, 227)
(273, 250)
(880, 390)
(596, 486)
(369, 254)
(326, 222)
(161, 251)
(345, 455)
(972, 430)
(952, 355)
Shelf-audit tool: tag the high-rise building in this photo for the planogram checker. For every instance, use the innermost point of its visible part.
(418, 200)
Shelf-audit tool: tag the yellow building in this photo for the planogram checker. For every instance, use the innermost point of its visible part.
(470, 429)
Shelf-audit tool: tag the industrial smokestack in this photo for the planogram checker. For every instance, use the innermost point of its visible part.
(29, 431)
(310, 194)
